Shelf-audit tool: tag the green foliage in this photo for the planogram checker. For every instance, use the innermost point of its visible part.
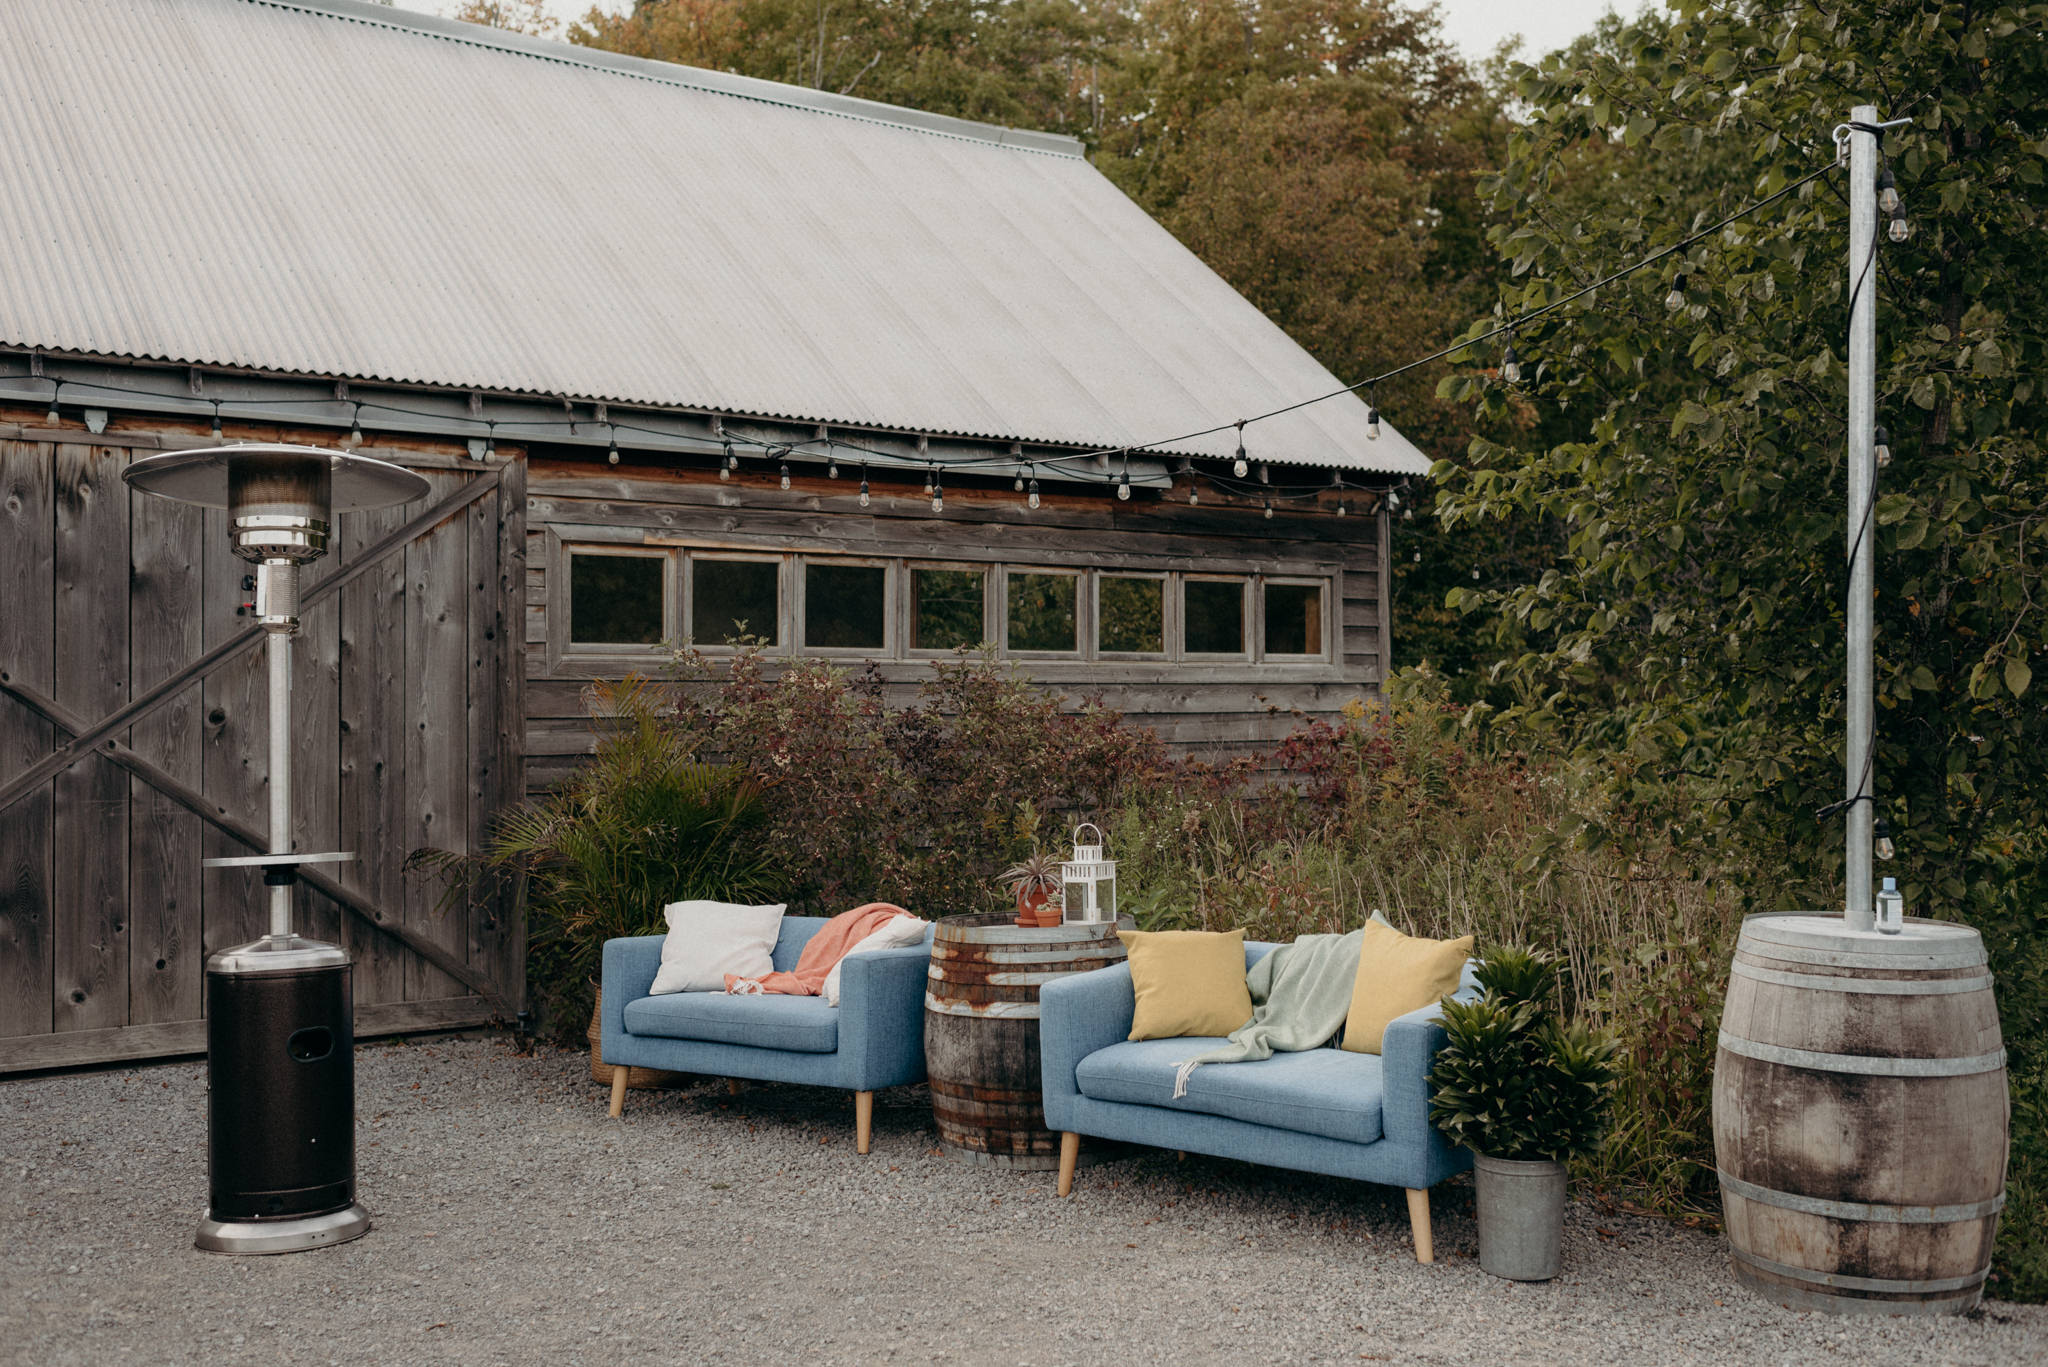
(1513, 1080)
(643, 824)
(1693, 458)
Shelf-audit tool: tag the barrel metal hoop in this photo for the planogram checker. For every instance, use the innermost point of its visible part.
(1880, 987)
(1841, 1282)
(1865, 1064)
(1831, 958)
(1028, 956)
(1860, 1210)
(1015, 1010)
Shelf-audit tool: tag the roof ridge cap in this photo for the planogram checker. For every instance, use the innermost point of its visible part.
(683, 77)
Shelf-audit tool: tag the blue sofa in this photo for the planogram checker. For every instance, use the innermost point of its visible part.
(873, 1039)
(1364, 1116)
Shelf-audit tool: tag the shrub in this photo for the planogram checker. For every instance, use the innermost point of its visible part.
(1514, 1081)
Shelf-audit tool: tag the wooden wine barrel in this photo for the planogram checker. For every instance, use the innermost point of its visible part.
(981, 1031)
(1860, 1115)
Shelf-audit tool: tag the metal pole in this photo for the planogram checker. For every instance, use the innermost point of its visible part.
(277, 606)
(1862, 531)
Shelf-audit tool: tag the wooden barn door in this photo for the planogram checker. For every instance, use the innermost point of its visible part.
(132, 746)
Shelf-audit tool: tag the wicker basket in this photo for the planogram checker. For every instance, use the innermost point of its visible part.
(640, 1079)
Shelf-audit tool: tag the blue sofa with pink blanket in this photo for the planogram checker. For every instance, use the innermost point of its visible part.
(873, 1039)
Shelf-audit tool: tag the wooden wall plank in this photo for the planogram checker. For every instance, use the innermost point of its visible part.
(90, 870)
(165, 965)
(486, 596)
(27, 650)
(437, 738)
(372, 744)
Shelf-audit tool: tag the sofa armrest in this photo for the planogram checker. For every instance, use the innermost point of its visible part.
(629, 968)
(881, 1020)
(1407, 1053)
(1078, 1015)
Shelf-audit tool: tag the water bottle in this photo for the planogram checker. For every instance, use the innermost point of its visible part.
(1891, 908)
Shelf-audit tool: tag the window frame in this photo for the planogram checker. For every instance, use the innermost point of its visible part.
(800, 592)
(993, 605)
(1166, 580)
(785, 629)
(1325, 598)
(570, 647)
(1248, 639)
(1083, 627)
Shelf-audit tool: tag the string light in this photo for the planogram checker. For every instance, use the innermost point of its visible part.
(1194, 494)
(785, 474)
(938, 492)
(1269, 510)
(355, 425)
(930, 479)
(1900, 229)
(490, 440)
(863, 486)
(1675, 300)
(1887, 192)
(728, 463)
(1019, 485)
(1883, 848)
(1510, 364)
(1240, 467)
(832, 469)
(216, 420)
(1372, 421)
(1031, 497)
(1882, 449)
(53, 416)
(1123, 483)
(611, 454)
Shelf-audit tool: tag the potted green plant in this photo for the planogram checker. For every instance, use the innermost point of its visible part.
(1034, 882)
(643, 823)
(1526, 1093)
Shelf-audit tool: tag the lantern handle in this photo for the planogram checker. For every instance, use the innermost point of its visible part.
(1087, 826)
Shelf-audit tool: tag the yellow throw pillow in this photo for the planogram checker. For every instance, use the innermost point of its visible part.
(1188, 982)
(1397, 974)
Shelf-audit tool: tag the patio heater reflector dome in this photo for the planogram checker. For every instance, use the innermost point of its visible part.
(280, 1026)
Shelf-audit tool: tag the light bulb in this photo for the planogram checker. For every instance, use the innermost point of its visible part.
(1240, 467)
(53, 417)
(1510, 366)
(1019, 485)
(1340, 507)
(1372, 423)
(355, 431)
(1883, 847)
(723, 473)
(732, 462)
(785, 474)
(1031, 498)
(491, 445)
(1394, 499)
(1882, 447)
(927, 483)
(863, 490)
(832, 470)
(217, 433)
(1900, 229)
(938, 502)
(1123, 489)
(1194, 494)
(1269, 509)
(1887, 193)
(611, 454)
(1675, 300)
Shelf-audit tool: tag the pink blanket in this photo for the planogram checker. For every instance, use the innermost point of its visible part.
(825, 949)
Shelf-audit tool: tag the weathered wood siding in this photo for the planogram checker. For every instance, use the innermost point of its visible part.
(1211, 709)
(407, 692)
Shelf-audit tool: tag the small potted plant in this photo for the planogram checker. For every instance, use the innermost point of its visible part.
(1525, 1093)
(1035, 883)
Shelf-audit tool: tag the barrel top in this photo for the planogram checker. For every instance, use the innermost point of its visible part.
(1815, 930)
(1002, 929)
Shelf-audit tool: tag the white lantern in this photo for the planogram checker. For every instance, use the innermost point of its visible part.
(1087, 882)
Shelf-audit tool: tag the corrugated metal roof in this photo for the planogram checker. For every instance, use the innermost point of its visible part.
(333, 188)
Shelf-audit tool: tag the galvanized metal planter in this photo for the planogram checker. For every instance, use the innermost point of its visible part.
(1521, 1216)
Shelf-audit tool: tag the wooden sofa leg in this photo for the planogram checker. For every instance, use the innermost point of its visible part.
(1070, 1153)
(863, 1120)
(618, 1090)
(1418, 1223)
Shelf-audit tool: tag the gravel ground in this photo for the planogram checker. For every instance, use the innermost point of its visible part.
(515, 1223)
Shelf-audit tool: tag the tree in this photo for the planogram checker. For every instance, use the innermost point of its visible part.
(1697, 466)
(516, 16)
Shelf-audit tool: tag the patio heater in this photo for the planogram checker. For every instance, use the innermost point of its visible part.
(280, 1028)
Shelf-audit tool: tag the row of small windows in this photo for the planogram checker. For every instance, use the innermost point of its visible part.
(622, 599)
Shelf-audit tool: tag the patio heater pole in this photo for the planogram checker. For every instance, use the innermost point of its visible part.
(280, 579)
(1862, 530)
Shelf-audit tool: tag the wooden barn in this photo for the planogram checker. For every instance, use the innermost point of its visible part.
(685, 356)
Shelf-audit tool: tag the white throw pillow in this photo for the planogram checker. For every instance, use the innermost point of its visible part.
(707, 940)
(899, 932)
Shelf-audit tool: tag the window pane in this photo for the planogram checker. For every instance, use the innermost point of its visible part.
(1133, 615)
(844, 606)
(1294, 619)
(1213, 613)
(734, 598)
(616, 599)
(1042, 611)
(946, 609)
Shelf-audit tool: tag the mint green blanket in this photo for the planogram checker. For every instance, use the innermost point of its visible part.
(1301, 993)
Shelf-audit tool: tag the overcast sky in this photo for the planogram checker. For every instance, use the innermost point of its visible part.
(1475, 25)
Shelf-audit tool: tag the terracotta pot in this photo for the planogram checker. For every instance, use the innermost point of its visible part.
(1029, 901)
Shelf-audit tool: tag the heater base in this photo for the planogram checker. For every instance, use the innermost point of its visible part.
(293, 1235)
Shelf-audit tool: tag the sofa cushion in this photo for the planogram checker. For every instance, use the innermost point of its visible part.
(1326, 1092)
(798, 1025)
